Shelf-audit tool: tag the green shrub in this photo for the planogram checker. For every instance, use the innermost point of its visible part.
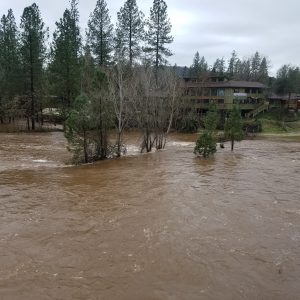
(205, 145)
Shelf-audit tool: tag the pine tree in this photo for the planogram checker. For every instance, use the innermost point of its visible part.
(233, 126)
(287, 80)
(159, 34)
(195, 67)
(206, 144)
(199, 66)
(232, 64)
(10, 64)
(219, 66)
(243, 70)
(263, 75)
(130, 31)
(65, 51)
(100, 33)
(255, 66)
(33, 52)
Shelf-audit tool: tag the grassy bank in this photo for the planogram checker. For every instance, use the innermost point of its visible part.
(280, 122)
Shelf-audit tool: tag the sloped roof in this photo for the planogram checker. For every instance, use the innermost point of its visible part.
(230, 84)
(246, 84)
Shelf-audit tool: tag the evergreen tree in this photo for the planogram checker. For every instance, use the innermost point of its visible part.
(158, 34)
(10, 64)
(100, 33)
(130, 31)
(287, 80)
(77, 130)
(199, 66)
(90, 118)
(219, 66)
(195, 67)
(211, 119)
(33, 52)
(206, 144)
(243, 70)
(255, 66)
(234, 127)
(65, 50)
(102, 116)
(263, 75)
(186, 72)
(232, 64)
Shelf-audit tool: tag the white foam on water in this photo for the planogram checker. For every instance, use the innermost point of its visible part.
(43, 161)
(182, 144)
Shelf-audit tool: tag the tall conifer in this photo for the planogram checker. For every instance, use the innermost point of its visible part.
(33, 53)
(9, 62)
(100, 33)
(65, 50)
(159, 33)
(130, 31)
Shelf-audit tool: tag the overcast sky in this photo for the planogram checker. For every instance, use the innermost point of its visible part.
(214, 28)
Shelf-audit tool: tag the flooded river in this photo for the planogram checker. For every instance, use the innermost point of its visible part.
(159, 226)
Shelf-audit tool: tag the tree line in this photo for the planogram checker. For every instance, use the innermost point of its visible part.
(253, 68)
(112, 78)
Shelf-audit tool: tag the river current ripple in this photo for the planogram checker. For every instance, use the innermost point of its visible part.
(165, 225)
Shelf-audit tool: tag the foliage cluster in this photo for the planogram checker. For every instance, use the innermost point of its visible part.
(108, 82)
(254, 68)
(206, 144)
(233, 129)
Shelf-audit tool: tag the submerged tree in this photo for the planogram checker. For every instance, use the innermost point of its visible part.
(90, 120)
(122, 82)
(234, 126)
(33, 53)
(77, 130)
(156, 105)
(206, 144)
(102, 116)
(100, 33)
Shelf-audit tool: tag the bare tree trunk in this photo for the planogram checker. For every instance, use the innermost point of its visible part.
(32, 88)
(28, 123)
(85, 147)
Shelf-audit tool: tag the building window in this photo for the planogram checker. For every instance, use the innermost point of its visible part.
(221, 92)
(220, 101)
(214, 92)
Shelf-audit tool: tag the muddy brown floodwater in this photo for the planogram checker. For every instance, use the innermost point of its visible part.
(163, 226)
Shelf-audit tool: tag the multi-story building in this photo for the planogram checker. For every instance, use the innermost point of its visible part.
(251, 97)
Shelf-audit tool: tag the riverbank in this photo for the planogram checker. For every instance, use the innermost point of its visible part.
(20, 125)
